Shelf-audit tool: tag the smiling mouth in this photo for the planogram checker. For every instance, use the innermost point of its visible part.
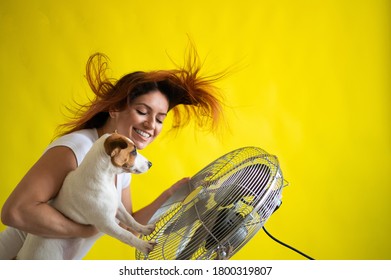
(142, 133)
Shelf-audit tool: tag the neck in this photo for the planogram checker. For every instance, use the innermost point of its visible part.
(108, 127)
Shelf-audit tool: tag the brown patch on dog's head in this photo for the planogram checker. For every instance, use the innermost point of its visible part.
(121, 150)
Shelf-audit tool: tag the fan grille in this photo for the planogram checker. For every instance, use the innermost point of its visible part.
(226, 203)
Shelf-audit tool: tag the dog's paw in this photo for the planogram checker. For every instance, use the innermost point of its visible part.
(148, 229)
(147, 246)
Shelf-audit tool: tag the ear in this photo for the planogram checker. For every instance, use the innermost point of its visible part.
(114, 145)
(113, 112)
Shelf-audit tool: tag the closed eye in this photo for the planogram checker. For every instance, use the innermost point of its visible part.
(141, 112)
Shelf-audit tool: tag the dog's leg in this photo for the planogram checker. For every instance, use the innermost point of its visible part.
(129, 221)
(113, 229)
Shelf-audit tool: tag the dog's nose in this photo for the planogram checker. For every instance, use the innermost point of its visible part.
(149, 164)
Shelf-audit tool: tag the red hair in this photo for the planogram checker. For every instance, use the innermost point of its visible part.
(198, 97)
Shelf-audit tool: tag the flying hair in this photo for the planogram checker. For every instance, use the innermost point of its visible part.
(192, 97)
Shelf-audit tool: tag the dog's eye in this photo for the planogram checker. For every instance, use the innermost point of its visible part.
(134, 152)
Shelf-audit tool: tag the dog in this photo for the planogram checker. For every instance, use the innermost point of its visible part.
(89, 196)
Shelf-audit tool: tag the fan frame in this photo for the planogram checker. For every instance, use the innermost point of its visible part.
(189, 192)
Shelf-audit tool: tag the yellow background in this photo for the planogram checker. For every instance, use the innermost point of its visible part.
(313, 88)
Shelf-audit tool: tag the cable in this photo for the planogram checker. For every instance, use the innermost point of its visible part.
(286, 245)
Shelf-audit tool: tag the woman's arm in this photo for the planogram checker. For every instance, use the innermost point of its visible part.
(145, 214)
(27, 207)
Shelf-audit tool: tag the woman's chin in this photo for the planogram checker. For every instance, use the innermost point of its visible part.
(140, 144)
(140, 141)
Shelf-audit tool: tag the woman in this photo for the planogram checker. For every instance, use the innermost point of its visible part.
(135, 106)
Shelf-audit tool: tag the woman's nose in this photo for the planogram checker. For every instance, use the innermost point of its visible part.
(149, 124)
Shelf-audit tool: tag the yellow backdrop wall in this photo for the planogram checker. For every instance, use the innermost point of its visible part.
(313, 88)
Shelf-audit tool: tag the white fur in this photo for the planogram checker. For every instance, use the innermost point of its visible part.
(89, 196)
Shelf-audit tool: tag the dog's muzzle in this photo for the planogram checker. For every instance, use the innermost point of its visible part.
(141, 165)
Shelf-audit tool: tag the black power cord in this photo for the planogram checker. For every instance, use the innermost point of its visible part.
(286, 245)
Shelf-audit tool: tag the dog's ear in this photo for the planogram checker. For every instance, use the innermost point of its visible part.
(114, 146)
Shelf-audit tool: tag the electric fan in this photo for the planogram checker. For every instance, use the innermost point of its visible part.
(219, 210)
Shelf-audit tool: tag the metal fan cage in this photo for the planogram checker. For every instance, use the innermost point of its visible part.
(221, 208)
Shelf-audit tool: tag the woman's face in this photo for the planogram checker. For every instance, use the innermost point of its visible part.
(142, 121)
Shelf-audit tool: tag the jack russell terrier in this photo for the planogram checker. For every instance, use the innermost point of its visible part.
(89, 196)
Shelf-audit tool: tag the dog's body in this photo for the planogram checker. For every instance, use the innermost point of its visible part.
(89, 196)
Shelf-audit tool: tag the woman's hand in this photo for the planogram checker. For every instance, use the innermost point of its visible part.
(170, 191)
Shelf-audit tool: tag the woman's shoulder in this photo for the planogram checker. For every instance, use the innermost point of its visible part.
(79, 142)
(87, 135)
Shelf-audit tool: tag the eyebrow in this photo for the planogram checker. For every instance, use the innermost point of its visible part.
(150, 108)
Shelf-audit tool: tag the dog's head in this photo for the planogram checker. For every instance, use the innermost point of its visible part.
(123, 154)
